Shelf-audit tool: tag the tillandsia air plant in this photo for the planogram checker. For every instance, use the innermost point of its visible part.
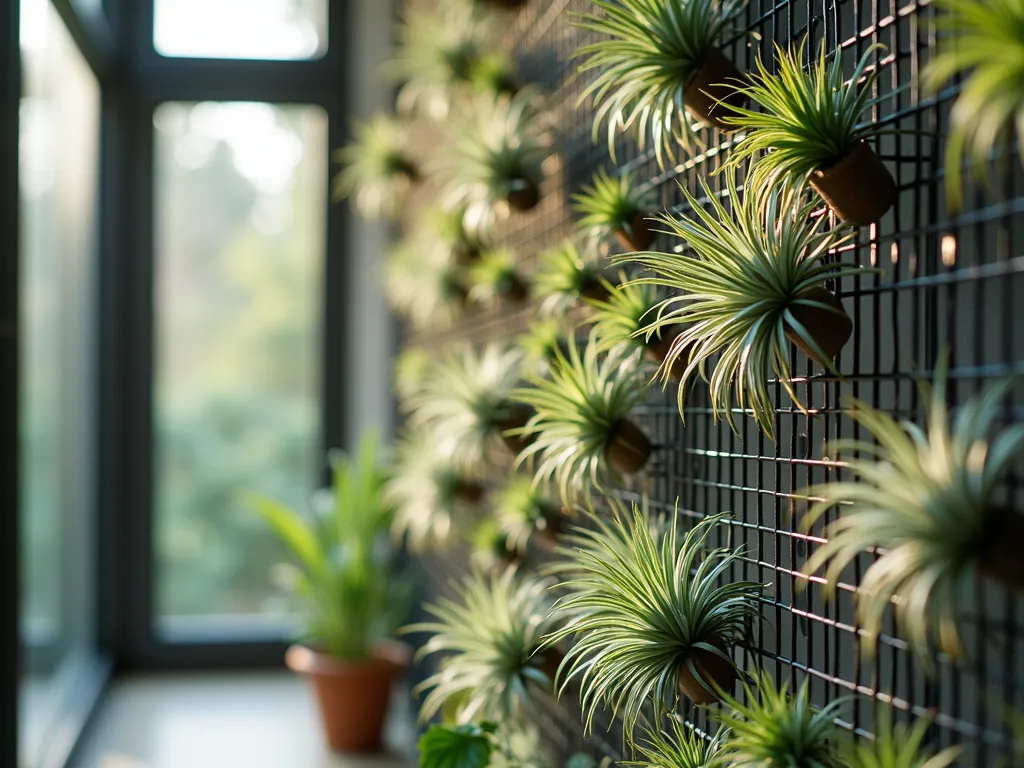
(492, 165)
(895, 746)
(467, 403)
(524, 510)
(496, 278)
(431, 491)
(991, 102)
(776, 729)
(614, 207)
(809, 129)
(448, 228)
(926, 498)
(541, 342)
(653, 613)
(490, 632)
(378, 170)
(489, 549)
(425, 283)
(580, 428)
(680, 746)
(659, 69)
(566, 274)
(619, 320)
(413, 368)
(447, 52)
(756, 279)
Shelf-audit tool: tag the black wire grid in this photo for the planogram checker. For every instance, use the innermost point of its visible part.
(947, 281)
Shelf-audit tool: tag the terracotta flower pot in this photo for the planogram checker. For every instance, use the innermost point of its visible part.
(640, 234)
(831, 331)
(712, 669)
(517, 414)
(523, 195)
(859, 188)
(657, 350)
(627, 449)
(353, 695)
(999, 554)
(710, 84)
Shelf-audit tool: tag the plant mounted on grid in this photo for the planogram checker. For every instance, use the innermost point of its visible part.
(776, 729)
(984, 42)
(424, 283)
(495, 278)
(898, 746)
(565, 274)
(541, 342)
(433, 493)
(926, 499)
(809, 129)
(755, 279)
(524, 509)
(614, 207)
(489, 548)
(378, 171)
(492, 163)
(580, 429)
(653, 613)
(447, 53)
(657, 67)
(447, 227)
(679, 746)
(490, 633)
(412, 369)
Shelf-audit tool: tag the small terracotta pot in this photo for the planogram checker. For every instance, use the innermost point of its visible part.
(353, 695)
(831, 331)
(859, 188)
(517, 416)
(523, 196)
(469, 491)
(657, 350)
(714, 77)
(628, 448)
(999, 550)
(640, 236)
(712, 668)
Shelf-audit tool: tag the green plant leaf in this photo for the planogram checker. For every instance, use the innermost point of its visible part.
(457, 746)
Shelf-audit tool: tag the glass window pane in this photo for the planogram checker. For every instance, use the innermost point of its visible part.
(58, 201)
(241, 29)
(241, 196)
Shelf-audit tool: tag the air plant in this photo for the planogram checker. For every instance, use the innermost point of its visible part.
(809, 129)
(566, 274)
(447, 52)
(659, 69)
(378, 171)
(580, 428)
(491, 634)
(448, 228)
(652, 613)
(431, 491)
(492, 165)
(523, 509)
(984, 42)
(467, 403)
(424, 283)
(496, 277)
(776, 729)
(926, 499)
(681, 747)
(412, 369)
(541, 342)
(755, 279)
(488, 546)
(614, 207)
(898, 746)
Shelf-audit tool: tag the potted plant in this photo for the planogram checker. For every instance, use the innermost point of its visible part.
(495, 278)
(425, 283)
(991, 98)
(432, 492)
(378, 171)
(657, 65)
(926, 499)
(580, 428)
(809, 129)
(492, 165)
(354, 598)
(756, 278)
(898, 746)
(566, 274)
(620, 320)
(614, 207)
(651, 612)
(491, 634)
(774, 728)
(680, 746)
(523, 509)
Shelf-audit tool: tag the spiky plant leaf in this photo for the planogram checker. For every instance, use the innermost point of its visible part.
(619, 319)
(808, 120)
(642, 601)
(924, 497)
(991, 100)
(424, 283)
(491, 631)
(896, 746)
(608, 204)
(457, 746)
(655, 49)
(564, 274)
(577, 410)
(750, 270)
(496, 276)
(543, 339)
(448, 227)
(521, 508)
(378, 171)
(776, 730)
(680, 747)
(489, 547)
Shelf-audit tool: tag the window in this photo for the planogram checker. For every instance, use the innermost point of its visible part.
(241, 195)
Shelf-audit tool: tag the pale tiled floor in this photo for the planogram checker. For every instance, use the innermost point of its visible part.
(250, 720)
